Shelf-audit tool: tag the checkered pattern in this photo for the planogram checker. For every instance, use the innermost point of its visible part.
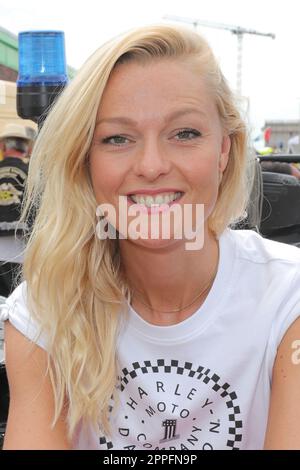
(103, 442)
(200, 373)
(160, 366)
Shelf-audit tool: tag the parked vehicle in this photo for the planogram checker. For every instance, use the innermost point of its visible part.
(280, 203)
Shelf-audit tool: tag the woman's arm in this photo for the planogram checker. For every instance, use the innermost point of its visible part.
(31, 398)
(283, 430)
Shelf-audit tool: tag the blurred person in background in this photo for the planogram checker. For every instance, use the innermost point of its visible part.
(16, 144)
(31, 134)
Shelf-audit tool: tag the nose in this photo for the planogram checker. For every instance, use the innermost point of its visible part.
(151, 161)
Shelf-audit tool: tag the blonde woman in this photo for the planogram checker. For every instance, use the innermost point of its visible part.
(142, 342)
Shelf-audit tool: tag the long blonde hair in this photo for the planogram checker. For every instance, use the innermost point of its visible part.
(76, 289)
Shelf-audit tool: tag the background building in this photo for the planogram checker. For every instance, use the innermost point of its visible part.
(8, 56)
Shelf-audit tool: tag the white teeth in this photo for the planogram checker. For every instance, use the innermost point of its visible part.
(149, 200)
(158, 199)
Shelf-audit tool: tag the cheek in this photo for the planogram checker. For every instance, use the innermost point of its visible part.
(104, 177)
(204, 174)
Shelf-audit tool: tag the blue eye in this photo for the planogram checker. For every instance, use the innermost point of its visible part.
(115, 140)
(188, 134)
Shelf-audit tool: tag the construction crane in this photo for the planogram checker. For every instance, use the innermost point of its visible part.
(237, 30)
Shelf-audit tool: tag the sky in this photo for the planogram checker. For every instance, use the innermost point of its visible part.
(271, 68)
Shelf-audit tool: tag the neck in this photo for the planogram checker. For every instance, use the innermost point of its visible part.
(169, 279)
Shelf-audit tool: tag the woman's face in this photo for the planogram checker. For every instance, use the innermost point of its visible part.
(158, 134)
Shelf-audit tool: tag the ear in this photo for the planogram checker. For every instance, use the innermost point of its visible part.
(225, 149)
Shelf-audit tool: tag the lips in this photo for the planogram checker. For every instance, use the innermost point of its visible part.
(152, 192)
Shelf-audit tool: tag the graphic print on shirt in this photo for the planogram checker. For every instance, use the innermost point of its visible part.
(171, 405)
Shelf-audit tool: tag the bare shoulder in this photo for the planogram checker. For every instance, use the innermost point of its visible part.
(31, 408)
(284, 413)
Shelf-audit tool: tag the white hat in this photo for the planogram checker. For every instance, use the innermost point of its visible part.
(14, 130)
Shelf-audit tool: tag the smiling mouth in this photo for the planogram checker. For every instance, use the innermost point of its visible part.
(157, 200)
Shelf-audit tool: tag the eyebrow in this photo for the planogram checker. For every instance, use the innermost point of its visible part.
(169, 117)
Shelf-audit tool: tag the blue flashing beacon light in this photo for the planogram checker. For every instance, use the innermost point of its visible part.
(42, 72)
